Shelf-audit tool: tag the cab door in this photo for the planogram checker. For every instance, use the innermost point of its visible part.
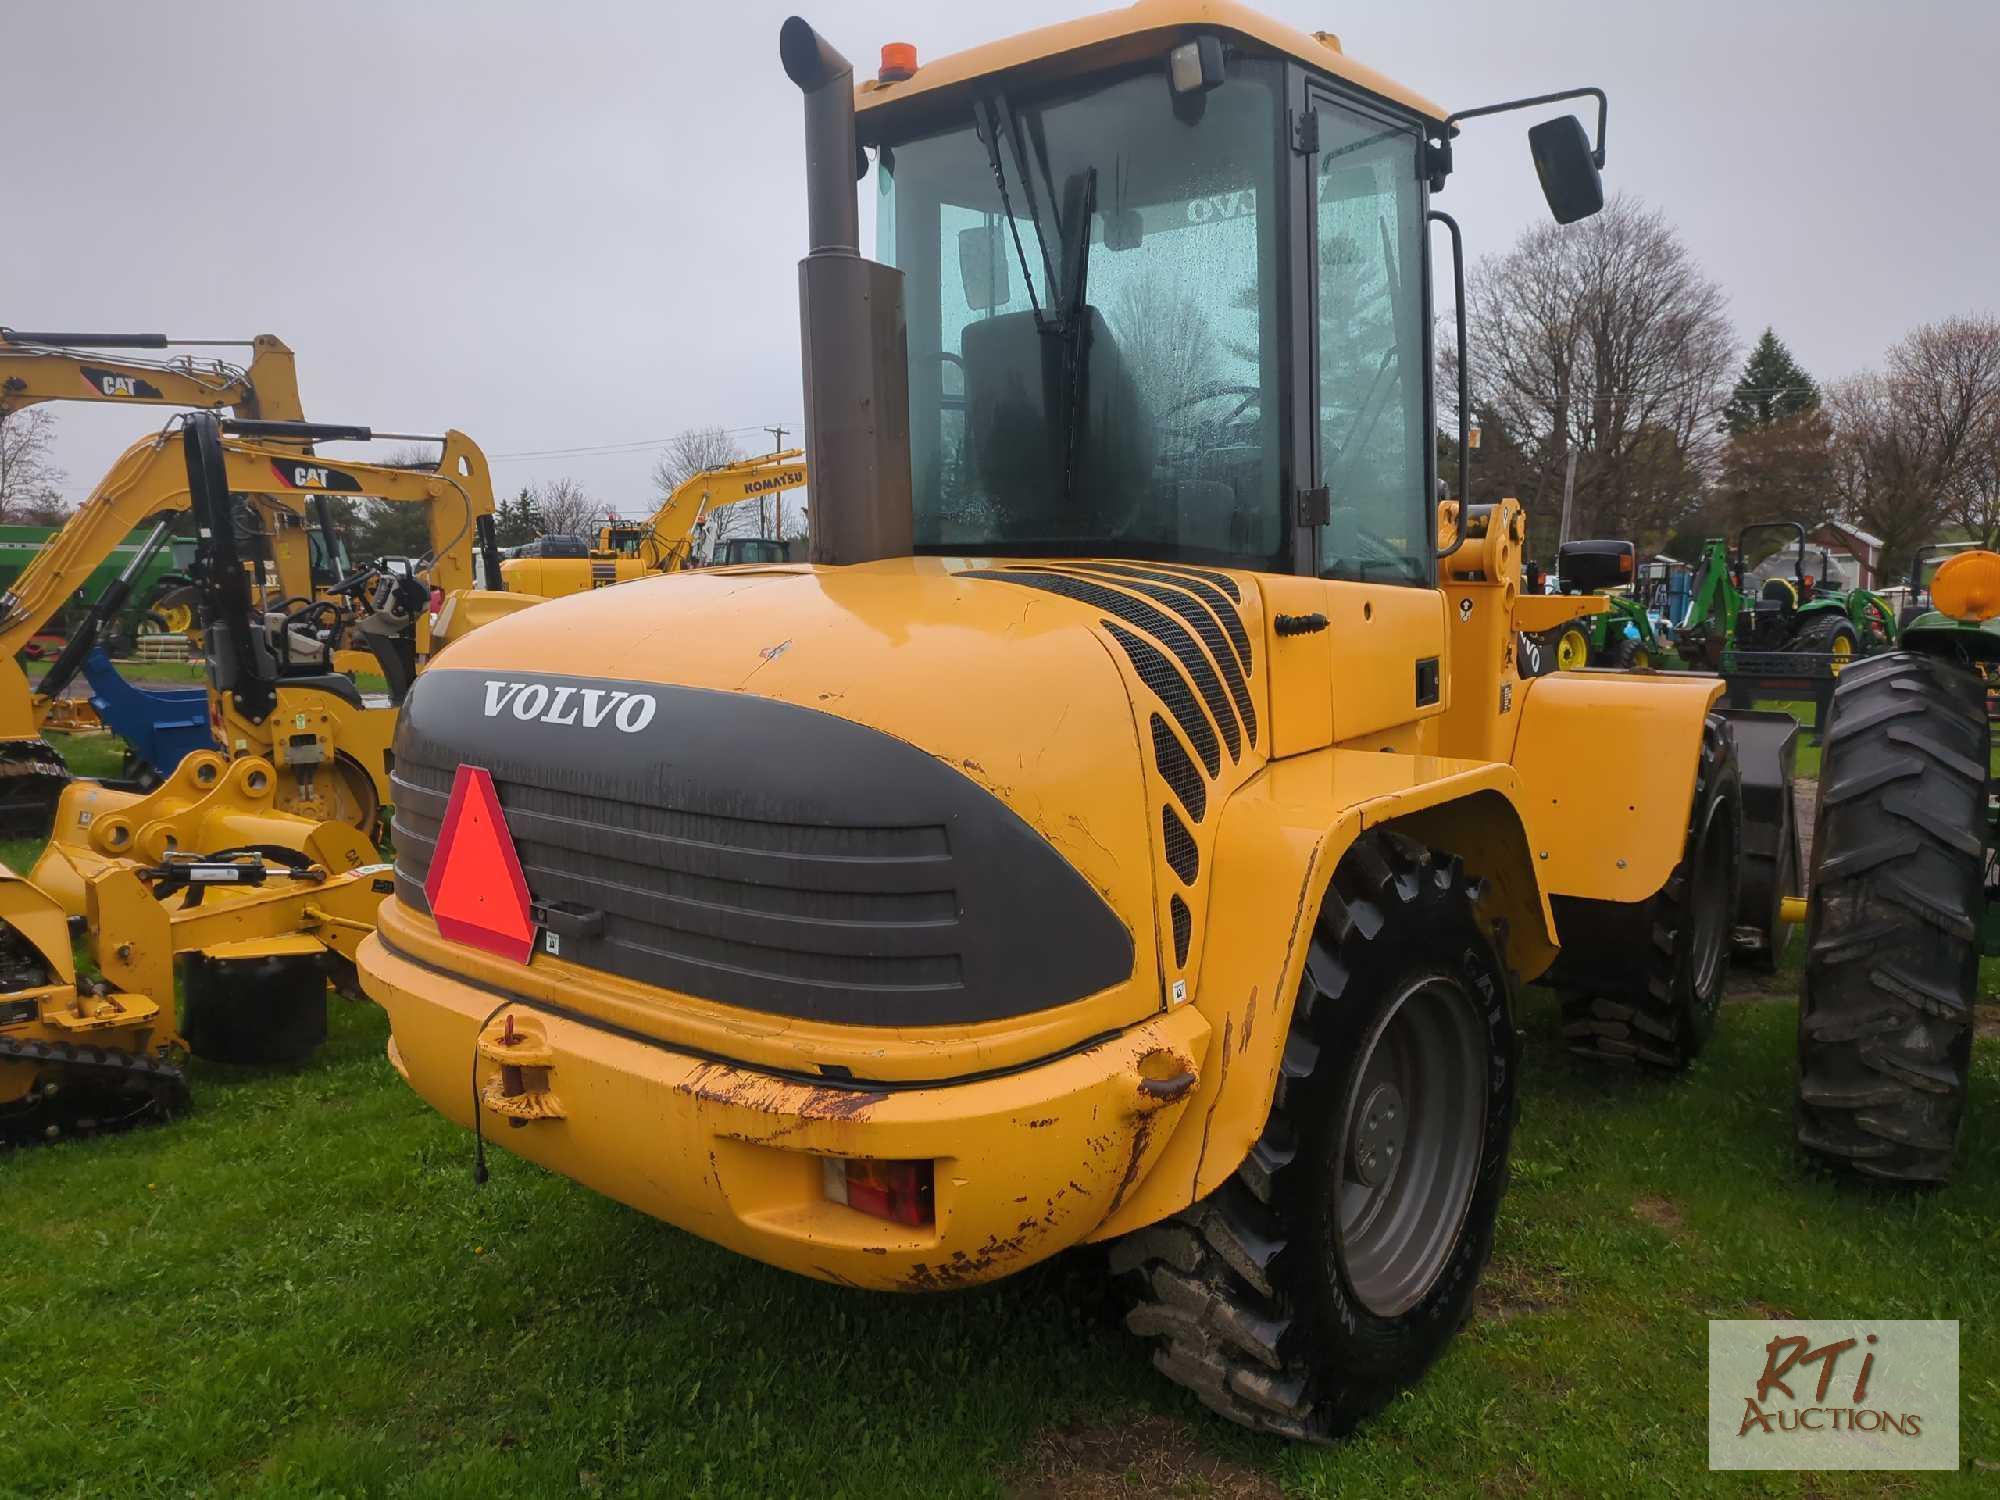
(1365, 547)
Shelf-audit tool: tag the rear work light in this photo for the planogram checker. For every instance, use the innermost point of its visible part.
(899, 1191)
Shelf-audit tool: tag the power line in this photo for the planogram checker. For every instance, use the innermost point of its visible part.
(630, 445)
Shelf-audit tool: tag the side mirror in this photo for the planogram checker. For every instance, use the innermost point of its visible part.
(1564, 162)
(982, 268)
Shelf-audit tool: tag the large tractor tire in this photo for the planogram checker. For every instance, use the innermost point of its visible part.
(1892, 931)
(254, 1010)
(1829, 634)
(1641, 982)
(1340, 1259)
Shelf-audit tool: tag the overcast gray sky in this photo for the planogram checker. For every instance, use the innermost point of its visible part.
(575, 226)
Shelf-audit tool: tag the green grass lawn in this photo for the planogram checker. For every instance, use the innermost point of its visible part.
(297, 1290)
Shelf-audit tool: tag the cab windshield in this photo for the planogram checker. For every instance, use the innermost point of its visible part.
(1094, 344)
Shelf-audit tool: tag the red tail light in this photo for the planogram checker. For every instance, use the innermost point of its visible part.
(899, 1191)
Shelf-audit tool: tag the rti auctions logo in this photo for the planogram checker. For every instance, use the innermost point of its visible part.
(1833, 1395)
(1785, 1354)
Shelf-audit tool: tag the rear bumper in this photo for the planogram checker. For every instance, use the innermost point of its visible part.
(1026, 1164)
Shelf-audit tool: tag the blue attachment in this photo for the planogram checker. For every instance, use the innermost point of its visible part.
(162, 725)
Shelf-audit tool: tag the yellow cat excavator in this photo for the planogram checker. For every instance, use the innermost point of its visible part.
(667, 542)
(37, 367)
(275, 695)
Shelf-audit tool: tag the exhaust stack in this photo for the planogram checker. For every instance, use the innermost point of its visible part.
(854, 339)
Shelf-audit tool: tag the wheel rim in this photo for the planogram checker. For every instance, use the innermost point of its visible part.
(1843, 649)
(1640, 659)
(178, 617)
(1410, 1146)
(1711, 915)
(1571, 650)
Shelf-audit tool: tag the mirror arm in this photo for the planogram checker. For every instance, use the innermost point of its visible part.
(1464, 383)
(1440, 145)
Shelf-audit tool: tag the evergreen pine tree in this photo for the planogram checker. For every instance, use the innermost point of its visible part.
(1772, 389)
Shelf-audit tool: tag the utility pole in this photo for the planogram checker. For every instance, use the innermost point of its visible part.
(1569, 495)
(778, 500)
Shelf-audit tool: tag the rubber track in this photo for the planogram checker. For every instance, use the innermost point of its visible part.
(157, 1089)
(1892, 961)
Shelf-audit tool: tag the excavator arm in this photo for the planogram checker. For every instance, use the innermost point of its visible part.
(60, 367)
(666, 545)
(264, 462)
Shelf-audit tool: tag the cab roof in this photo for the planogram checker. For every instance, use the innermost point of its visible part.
(1147, 28)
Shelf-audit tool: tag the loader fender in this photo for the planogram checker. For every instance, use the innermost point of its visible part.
(1607, 765)
(1277, 843)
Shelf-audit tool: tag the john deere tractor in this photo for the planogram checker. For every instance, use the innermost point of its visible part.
(1793, 611)
(1623, 635)
(1133, 825)
(1903, 891)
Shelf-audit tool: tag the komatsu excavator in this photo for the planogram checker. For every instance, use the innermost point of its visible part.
(669, 541)
(275, 695)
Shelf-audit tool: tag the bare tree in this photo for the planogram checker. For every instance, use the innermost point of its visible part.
(1881, 477)
(689, 452)
(1919, 444)
(30, 483)
(564, 508)
(1604, 339)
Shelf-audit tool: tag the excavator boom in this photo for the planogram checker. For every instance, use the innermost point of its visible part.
(38, 367)
(666, 542)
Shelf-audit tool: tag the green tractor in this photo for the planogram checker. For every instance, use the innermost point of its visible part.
(1902, 900)
(1791, 614)
(1623, 636)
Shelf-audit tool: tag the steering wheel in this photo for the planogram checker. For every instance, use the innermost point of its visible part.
(308, 617)
(1251, 394)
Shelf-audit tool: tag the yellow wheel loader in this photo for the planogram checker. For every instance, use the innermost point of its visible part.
(1133, 825)
(665, 544)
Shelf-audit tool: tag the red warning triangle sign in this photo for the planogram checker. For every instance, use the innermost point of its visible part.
(477, 892)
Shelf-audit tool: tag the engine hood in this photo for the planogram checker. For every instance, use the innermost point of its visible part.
(1088, 706)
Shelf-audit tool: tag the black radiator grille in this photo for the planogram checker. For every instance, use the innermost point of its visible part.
(716, 906)
(758, 854)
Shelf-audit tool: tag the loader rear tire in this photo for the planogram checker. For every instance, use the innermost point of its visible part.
(254, 1010)
(1342, 1256)
(1642, 982)
(1892, 930)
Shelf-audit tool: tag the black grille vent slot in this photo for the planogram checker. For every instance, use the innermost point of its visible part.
(1181, 853)
(1208, 593)
(1221, 580)
(1171, 689)
(1205, 626)
(1138, 613)
(1177, 771)
(1183, 929)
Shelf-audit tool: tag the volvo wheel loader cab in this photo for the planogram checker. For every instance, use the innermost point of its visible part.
(1902, 892)
(1132, 825)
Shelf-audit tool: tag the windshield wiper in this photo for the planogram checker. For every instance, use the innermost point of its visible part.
(999, 115)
